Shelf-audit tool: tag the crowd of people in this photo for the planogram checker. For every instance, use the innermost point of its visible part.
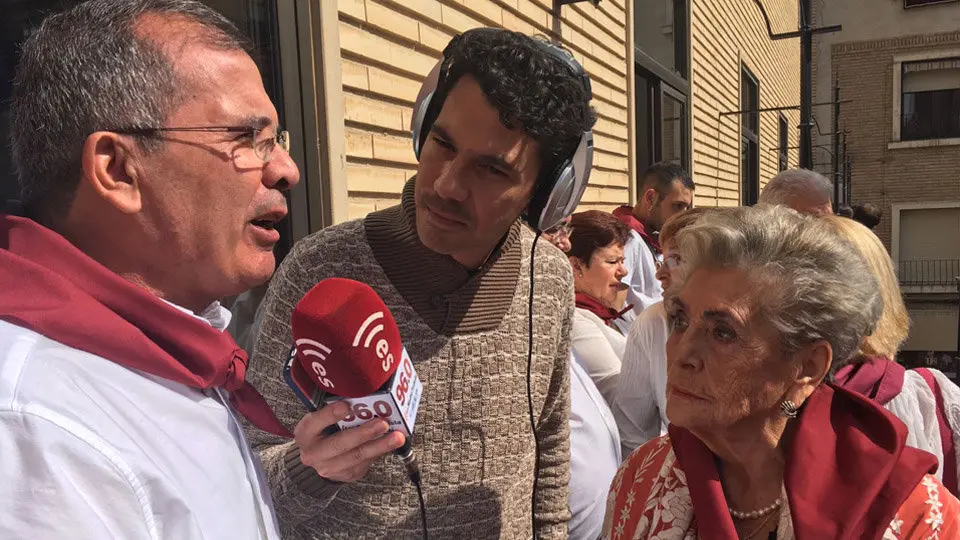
(661, 371)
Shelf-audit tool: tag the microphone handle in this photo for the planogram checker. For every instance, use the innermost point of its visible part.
(409, 460)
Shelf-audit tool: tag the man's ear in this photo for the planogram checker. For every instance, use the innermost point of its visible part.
(812, 363)
(111, 169)
(652, 197)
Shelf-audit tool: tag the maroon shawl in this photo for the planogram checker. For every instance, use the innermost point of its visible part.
(625, 215)
(848, 470)
(56, 290)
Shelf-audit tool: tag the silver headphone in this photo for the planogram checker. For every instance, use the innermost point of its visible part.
(556, 195)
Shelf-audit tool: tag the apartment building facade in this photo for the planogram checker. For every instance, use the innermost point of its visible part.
(899, 77)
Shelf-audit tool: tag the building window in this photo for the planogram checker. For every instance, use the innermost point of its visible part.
(930, 99)
(661, 32)
(783, 155)
(673, 127)
(918, 3)
(662, 86)
(749, 137)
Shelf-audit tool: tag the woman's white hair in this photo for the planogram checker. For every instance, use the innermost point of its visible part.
(815, 285)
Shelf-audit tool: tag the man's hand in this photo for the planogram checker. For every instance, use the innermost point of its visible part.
(344, 456)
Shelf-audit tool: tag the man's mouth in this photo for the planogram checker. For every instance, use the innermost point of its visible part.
(264, 223)
(269, 220)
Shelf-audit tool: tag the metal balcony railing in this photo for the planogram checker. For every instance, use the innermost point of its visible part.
(929, 272)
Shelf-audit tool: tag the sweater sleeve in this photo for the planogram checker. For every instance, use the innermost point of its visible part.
(299, 493)
(553, 434)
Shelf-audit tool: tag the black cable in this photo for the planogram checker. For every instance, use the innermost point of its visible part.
(409, 460)
(533, 423)
(423, 508)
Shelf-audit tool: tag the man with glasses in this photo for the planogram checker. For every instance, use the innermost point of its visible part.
(152, 172)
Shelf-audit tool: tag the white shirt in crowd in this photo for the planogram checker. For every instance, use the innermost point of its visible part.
(90, 449)
(916, 406)
(644, 288)
(594, 455)
(599, 349)
(640, 403)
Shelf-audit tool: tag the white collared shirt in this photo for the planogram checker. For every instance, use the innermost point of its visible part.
(641, 264)
(640, 402)
(594, 454)
(92, 449)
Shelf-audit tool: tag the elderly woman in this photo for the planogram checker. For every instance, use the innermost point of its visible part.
(759, 447)
(924, 399)
(596, 255)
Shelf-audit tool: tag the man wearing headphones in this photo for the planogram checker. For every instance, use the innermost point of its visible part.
(502, 130)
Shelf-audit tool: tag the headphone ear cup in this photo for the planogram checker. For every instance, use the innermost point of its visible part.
(559, 193)
(423, 109)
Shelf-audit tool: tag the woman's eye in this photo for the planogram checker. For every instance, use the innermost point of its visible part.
(724, 334)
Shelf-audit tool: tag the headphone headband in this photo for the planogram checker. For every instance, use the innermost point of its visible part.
(557, 192)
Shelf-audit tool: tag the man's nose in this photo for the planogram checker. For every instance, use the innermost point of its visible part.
(281, 172)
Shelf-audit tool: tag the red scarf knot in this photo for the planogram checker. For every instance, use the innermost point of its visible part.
(606, 314)
(625, 215)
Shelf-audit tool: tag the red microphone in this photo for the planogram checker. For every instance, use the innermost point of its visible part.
(347, 348)
(345, 335)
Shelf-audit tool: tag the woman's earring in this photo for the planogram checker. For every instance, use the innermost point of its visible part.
(789, 408)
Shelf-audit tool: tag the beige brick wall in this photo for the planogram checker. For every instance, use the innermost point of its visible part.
(881, 175)
(724, 34)
(388, 47)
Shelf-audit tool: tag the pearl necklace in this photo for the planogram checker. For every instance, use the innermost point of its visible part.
(756, 513)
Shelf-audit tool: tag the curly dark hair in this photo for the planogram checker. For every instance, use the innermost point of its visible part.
(593, 230)
(530, 88)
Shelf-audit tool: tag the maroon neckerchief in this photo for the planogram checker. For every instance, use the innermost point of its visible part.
(877, 378)
(606, 314)
(625, 215)
(848, 470)
(881, 380)
(54, 289)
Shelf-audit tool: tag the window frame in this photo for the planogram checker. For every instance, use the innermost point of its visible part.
(911, 4)
(749, 179)
(783, 137)
(897, 141)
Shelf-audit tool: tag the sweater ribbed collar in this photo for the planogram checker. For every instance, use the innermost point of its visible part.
(449, 297)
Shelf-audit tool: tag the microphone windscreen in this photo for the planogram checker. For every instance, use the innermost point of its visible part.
(345, 337)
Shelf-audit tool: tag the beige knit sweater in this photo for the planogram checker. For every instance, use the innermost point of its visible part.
(467, 335)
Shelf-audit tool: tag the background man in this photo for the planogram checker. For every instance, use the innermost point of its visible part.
(452, 263)
(114, 414)
(868, 214)
(665, 190)
(806, 191)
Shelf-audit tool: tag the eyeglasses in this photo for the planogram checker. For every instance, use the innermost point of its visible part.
(262, 148)
(563, 229)
(672, 262)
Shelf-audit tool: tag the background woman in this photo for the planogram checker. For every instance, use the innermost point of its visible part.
(924, 399)
(758, 445)
(640, 404)
(596, 255)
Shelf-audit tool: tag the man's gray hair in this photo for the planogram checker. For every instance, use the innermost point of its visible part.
(814, 284)
(86, 70)
(793, 182)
